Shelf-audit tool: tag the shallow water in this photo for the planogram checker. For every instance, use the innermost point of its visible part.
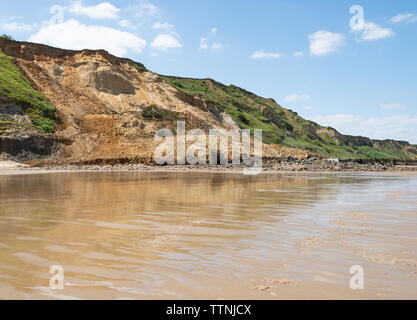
(122, 235)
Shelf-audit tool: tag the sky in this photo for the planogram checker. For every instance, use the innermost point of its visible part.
(351, 65)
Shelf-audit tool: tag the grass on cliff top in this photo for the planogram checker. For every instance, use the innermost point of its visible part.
(14, 85)
(234, 101)
(139, 66)
(288, 129)
(7, 37)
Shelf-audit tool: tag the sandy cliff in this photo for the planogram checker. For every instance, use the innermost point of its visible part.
(99, 99)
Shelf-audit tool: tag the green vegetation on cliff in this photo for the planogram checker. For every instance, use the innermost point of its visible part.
(285, 127)
(15, 86)
(153, 113)
(6, 36)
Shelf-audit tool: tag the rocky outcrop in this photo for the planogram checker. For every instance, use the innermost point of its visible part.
(26, 148)
(272, 116)
(12, 112)
(19, 140)
(107, 79)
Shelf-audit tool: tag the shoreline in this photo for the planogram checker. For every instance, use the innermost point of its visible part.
(14, 168)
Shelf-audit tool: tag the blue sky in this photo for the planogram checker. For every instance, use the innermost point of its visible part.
(360, 78)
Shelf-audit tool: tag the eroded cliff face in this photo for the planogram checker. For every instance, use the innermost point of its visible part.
(18, 139)
(100, 102)
(99, 99)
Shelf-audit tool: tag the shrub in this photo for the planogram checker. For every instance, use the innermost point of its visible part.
(7, 37)
(243, 119)
(139, 66)
(287, 125)
(152, 112)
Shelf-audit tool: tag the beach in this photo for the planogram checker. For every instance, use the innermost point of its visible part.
(149, 234)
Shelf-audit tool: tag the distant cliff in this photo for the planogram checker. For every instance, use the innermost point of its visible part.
(287, 128)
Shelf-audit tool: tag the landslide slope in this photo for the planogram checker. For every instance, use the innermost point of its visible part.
(106, 108)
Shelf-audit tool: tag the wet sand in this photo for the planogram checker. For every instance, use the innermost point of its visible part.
(199, 235)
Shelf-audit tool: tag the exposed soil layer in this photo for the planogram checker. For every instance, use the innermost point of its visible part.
(22, 148)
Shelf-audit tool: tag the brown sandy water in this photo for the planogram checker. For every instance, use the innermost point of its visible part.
(155, 235)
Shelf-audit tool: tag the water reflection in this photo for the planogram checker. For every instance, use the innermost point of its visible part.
(133, 234)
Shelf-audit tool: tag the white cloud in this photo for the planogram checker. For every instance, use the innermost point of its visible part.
(397, 127)
(145, 9)
(124, 23)
(104, 10)
(296, 97)
(203, 44)
(391, 106)
(372, 31)
(165, 42)
(166, 27)
(15, 27)
(263, 54)
(324, 42)
(336, 121)
(214, 30)
(74, 35)
(217, 46)
(404, 17)
(298, 53)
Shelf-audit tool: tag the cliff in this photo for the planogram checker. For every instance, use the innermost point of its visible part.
(89, 105)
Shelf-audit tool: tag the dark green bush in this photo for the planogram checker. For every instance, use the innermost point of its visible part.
(152, 112)
(7, 37)
(243, 119)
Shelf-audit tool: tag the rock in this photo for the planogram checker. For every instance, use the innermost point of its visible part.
(27, 148)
